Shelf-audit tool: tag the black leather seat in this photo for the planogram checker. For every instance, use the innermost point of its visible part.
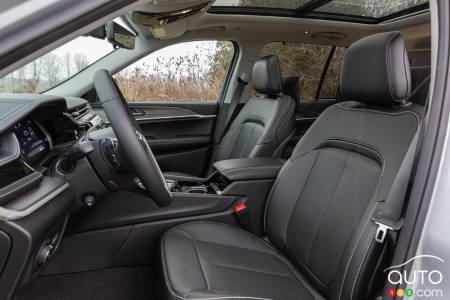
(320, 237)
(264, 125)
(420, 82)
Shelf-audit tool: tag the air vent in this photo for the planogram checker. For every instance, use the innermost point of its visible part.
(79, 112)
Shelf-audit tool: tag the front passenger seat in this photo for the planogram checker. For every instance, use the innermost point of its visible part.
(320, 215)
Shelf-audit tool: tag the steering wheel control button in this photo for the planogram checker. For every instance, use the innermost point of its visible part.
(109, 148)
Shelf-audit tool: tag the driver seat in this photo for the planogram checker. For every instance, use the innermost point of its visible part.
(320, 234)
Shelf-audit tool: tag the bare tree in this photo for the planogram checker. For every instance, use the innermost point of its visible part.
(67, 62)
(81, 61)
(21, 77)
(52, 68)
(36, 69)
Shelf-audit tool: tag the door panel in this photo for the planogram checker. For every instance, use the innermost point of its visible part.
(180, 134)
(307, 113)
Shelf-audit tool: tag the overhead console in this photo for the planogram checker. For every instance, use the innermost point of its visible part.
(169, 24)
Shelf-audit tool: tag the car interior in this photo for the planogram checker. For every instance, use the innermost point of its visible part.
(287, 186)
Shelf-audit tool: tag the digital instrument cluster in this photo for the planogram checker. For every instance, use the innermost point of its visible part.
(34, 144)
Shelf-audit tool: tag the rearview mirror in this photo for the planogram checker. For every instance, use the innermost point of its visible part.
(119, 36)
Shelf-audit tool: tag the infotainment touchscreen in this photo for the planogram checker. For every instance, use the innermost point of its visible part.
(33, 142)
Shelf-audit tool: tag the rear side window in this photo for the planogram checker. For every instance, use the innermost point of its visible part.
(309, 61)
(330, 85)
(185, 72)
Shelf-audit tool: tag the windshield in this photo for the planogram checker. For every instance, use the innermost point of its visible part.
(56, 66)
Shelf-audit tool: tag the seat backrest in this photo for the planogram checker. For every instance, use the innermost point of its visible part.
(320, 207)
(265, 123)
(291, 87)
(420, 83)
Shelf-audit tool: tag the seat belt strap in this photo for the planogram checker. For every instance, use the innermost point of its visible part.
(241, 84)
(388, 218)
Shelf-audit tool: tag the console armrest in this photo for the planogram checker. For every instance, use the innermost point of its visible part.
(249, 168)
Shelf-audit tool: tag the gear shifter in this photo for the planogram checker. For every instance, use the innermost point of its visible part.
(75, 152)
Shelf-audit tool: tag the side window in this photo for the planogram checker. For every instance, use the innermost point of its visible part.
(330, 85)
(309, 62)
(186, 72)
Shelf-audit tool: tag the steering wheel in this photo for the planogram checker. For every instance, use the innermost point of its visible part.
(131, 139)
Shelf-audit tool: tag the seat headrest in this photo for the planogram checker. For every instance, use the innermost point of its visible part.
(267, 76)
(376, 70)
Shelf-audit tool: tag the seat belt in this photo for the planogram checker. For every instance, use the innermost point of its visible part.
(389, 217)
(242, 82)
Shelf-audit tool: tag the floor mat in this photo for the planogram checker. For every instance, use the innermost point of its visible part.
(134, 283)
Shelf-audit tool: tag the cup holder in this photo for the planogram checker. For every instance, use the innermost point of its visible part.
(196, 189)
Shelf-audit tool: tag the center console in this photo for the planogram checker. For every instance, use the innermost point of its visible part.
(249, 178)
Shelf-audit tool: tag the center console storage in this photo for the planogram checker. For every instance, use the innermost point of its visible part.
(249, 178)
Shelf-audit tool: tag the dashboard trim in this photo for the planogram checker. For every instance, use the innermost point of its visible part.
(12, 214)
(172, 118)
(16, 155)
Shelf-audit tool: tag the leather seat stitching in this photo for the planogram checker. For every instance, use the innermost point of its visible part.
(365, 251)
(280, 175)
(354, 250)
(350, 155)
(299, 196)
(201, 266)
(404, 112)
(295, 272)
(244, 149)
(249, 234)
(249, 269)
(357, 143)
(388, 64)
(169, 286)
(280, 119)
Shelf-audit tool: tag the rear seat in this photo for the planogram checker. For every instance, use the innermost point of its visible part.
(420, 82)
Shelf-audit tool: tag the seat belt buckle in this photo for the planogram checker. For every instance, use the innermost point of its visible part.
(384, 226)
(243, 215)
(381, 233)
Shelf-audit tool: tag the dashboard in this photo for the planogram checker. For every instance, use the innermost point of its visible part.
(36, 200)
(34, 143)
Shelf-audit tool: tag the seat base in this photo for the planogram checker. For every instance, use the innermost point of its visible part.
(207, 260)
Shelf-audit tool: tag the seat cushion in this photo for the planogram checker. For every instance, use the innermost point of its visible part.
(207, 260)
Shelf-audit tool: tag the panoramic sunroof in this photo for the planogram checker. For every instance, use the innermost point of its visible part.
(367, 11)
(368, 8)
(287, 4)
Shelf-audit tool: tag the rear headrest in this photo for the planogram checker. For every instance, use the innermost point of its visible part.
(376, 70)
(267, 76)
